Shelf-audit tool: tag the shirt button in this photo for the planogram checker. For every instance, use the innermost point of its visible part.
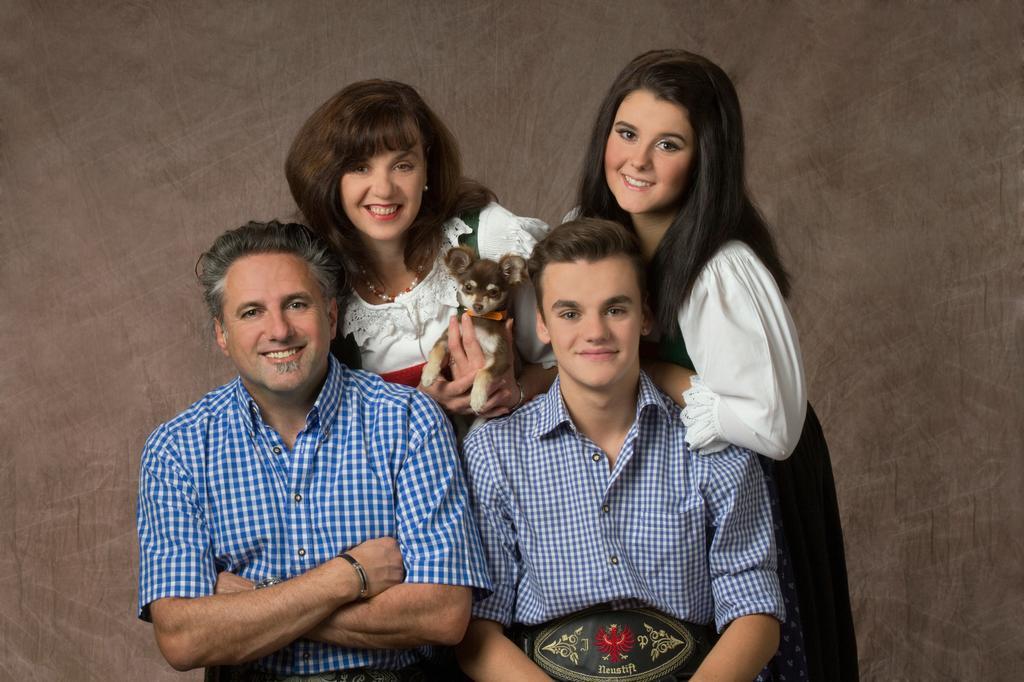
(302, 552)
(614, 560)
(298, 497)
(305, 656)
(277, 450)
(605, 508)
(596, 457)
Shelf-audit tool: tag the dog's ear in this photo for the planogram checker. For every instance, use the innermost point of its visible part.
(513, 269)
(458, 259)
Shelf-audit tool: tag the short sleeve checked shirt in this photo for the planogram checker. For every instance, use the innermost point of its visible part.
(687, 534)
(219, 490)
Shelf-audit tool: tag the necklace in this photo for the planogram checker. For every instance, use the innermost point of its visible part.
(383, 295)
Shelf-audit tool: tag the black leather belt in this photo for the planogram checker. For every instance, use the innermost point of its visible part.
(360, 675)
(632, 645)
(446, 669)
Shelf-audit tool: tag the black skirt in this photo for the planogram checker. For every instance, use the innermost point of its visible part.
(814, 534)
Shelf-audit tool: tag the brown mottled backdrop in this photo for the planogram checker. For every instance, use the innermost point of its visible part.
(884, 142)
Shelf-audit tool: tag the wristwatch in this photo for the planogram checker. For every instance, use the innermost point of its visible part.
(267, 582)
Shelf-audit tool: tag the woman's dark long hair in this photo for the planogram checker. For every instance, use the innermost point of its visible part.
(715, 208)
(365, 119)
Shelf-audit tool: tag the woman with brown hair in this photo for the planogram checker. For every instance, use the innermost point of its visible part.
(378, 174)
(666, 159)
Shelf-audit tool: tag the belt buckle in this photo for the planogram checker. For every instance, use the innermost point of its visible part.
(632, 645)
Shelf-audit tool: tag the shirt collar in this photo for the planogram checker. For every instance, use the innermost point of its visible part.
(329, 401)
(554, 413)
(652, 396)
(324, 410)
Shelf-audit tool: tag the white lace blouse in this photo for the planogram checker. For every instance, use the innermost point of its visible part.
(398, 335)
(749, 389)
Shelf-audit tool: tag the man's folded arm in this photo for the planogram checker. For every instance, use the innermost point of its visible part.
(406, 615)
(229, 629)
(439, 543)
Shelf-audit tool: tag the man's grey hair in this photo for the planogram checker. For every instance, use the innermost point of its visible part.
(272, 237)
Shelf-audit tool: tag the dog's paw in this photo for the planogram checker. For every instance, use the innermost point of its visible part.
(478, 397)
(429, 376)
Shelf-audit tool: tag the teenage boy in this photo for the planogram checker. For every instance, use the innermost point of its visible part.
(611, 546)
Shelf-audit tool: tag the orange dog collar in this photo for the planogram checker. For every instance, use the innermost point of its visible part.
(497, 315)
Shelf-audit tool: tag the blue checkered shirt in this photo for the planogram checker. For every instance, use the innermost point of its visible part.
(219, 490)
(687, 534)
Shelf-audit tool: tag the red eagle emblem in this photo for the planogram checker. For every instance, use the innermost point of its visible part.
(614, 642)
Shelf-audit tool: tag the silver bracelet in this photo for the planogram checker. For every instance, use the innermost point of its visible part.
(522, 396)
(359, 570)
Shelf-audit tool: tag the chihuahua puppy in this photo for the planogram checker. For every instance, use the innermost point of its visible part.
(484, 288)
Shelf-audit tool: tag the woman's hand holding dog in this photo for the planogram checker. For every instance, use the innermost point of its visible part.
(465, 358)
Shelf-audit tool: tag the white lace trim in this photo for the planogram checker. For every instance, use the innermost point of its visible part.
(453, 229)
(409, 313)
(703, 432)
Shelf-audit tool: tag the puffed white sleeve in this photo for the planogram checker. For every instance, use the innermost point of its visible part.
(749, 389)
(501, 232)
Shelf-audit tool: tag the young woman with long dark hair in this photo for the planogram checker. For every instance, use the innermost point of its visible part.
(666, 159)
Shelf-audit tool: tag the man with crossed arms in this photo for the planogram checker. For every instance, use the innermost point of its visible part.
(304, 518)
